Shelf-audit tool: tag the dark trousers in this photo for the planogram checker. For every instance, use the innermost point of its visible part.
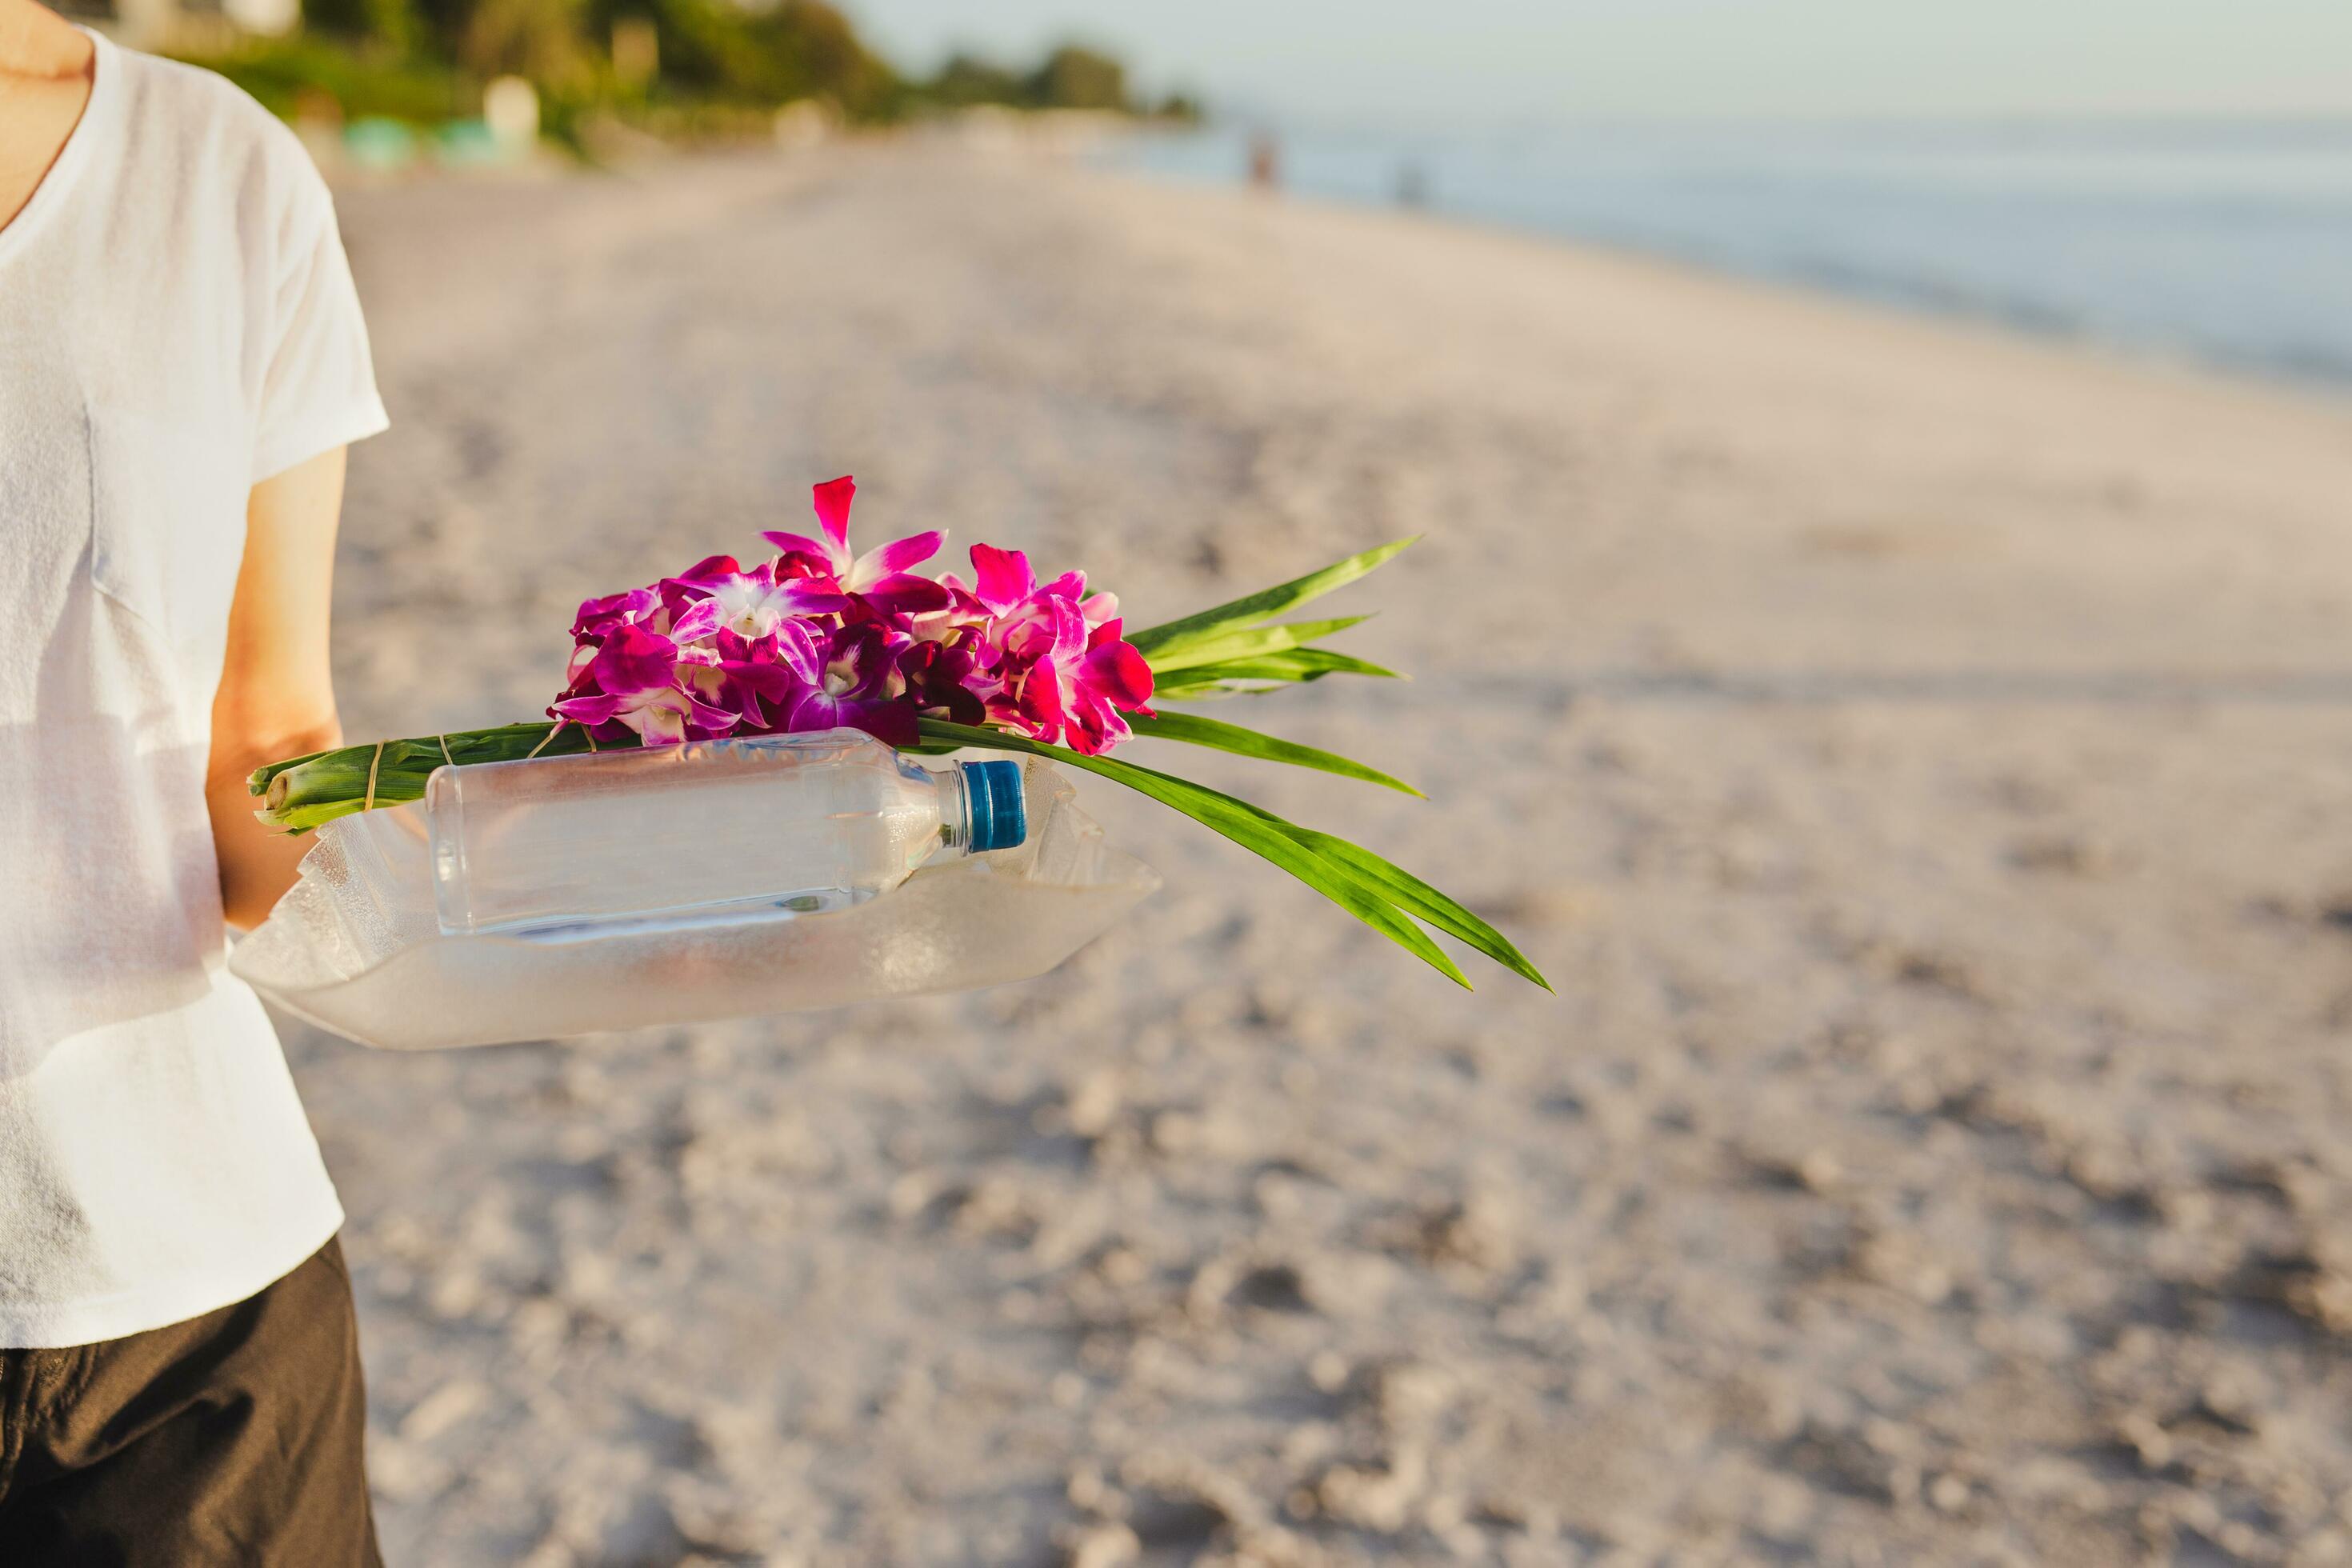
(232, 1438)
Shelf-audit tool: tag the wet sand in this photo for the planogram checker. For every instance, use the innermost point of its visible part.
(1917, 756)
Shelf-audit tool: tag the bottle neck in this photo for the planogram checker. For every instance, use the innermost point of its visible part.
(981, 807)
(955, 811)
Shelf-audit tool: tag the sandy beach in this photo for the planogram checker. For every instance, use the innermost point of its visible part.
(1917, 754)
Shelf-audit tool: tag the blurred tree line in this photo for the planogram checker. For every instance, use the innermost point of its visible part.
(1069, 77)
(677, 64)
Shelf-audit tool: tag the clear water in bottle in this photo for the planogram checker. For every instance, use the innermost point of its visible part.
(562, 847)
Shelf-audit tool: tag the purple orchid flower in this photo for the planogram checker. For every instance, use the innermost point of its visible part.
(821, 637)
(758, 678)
(635, 680)
(940, 678)
(1074, 698)
(753, 603)
(857, 686)
(688, 621)
(1111, 676)
(598, 616)
(672, 615)
(881, 577)
(1030, 700)
(1025, 621)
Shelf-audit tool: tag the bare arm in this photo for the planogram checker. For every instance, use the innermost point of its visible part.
(277, 695)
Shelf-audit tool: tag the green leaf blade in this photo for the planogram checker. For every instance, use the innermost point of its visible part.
(1424, 902)
(1194, 730)
(1245, 825)
(301, 792)
(1250, 642)
(1265, 604)
(1408, 892)
(1265, 671)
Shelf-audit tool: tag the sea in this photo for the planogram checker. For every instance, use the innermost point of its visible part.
(2223, 243)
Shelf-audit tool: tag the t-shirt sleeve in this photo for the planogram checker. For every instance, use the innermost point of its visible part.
(319, 389)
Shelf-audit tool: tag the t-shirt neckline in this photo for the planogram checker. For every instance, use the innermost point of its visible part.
(65, 168)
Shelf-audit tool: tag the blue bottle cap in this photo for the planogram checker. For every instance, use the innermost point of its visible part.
(999, 818)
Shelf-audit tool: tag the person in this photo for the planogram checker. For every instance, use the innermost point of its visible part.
(1265, 161)
(181, 365)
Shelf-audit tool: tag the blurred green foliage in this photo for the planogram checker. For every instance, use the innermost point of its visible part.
(287, 74)
(1072, 76)
(721, 52)
(715, 67)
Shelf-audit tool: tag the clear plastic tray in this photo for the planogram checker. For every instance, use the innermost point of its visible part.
(356, 947)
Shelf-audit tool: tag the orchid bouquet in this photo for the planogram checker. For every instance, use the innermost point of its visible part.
(819, 637)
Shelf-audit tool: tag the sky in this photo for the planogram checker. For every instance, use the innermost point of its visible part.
(1504, 61)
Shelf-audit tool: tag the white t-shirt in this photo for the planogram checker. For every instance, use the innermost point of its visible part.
(177, 323)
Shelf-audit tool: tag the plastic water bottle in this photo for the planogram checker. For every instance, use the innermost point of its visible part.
(712, 831)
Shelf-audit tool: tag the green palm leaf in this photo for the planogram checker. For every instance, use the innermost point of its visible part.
(1379, 894)
(1196, 731)
(1170, 635)
(1409, 893)
(301, 792)
(1242, 822)
(1249, 642)
(1418, 898)
(1265, 673)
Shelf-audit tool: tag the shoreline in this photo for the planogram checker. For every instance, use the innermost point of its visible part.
(1634, 264)
(1908, 294)
(1075, 141)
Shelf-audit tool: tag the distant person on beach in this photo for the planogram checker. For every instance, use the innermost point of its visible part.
(182, 364)
(1265, 161)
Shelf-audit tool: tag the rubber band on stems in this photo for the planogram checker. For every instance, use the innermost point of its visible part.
(373, 764)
